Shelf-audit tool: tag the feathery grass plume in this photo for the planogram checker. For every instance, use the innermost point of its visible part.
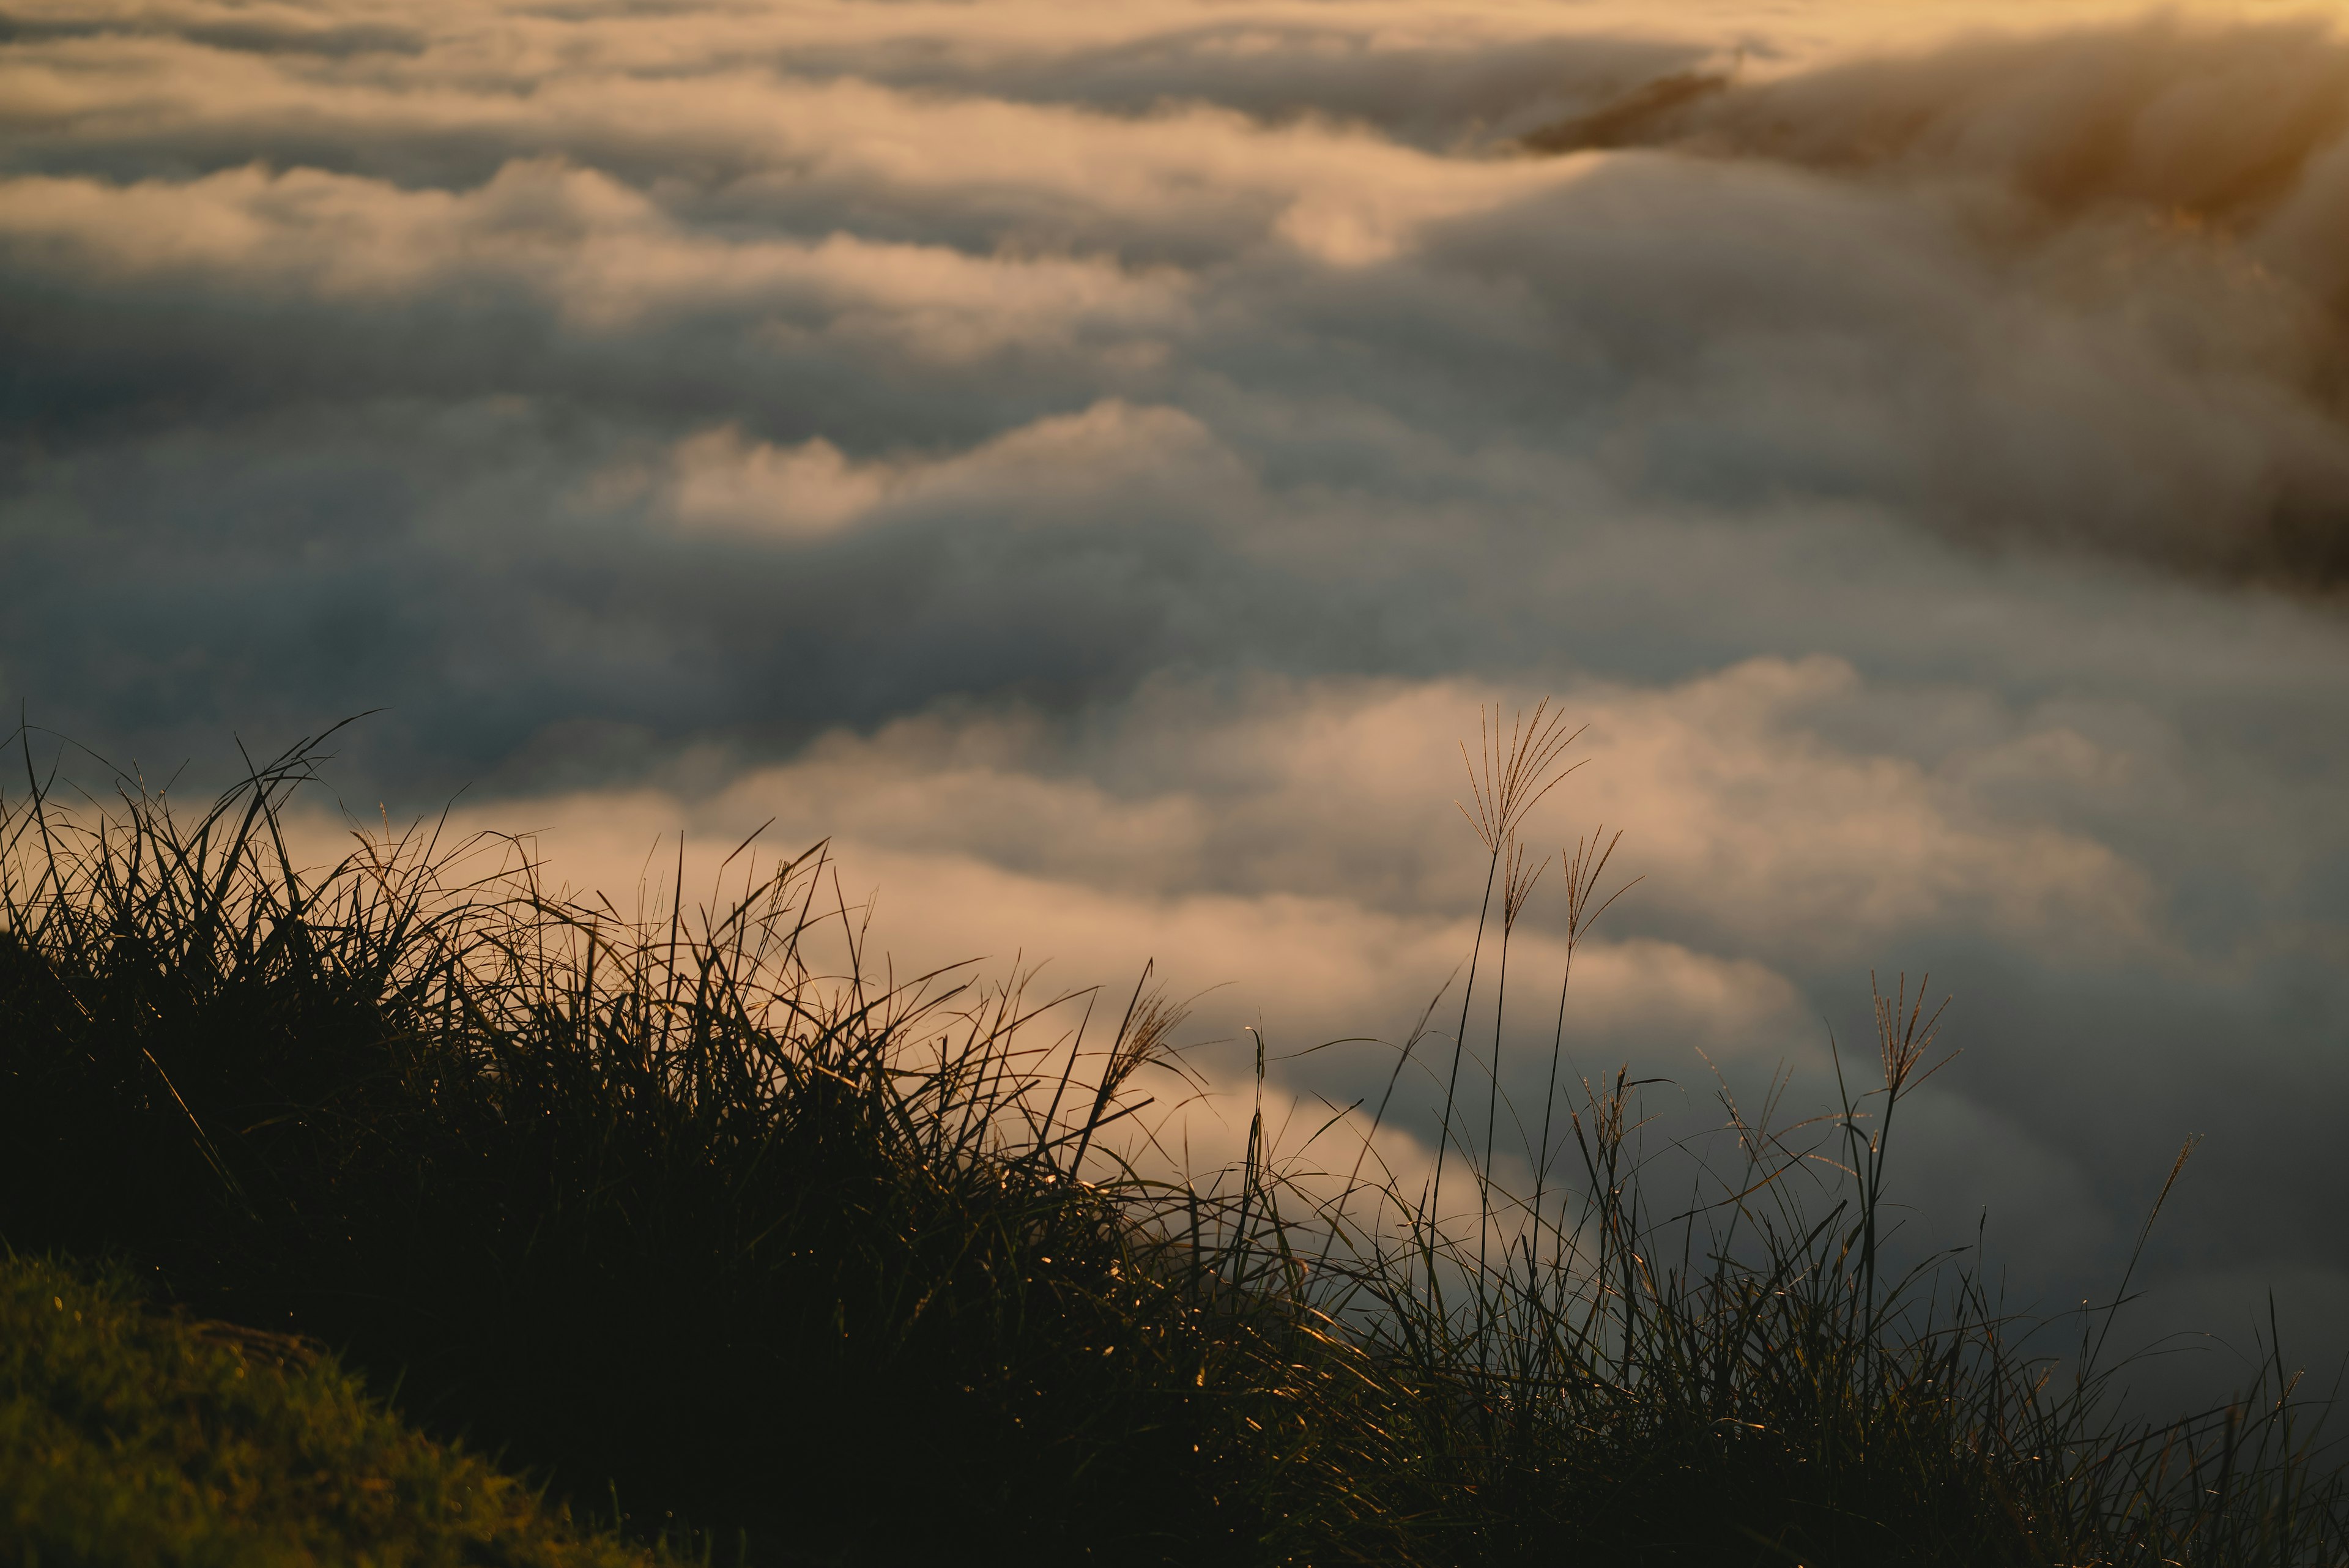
(1904, 1035)
(1511, 772)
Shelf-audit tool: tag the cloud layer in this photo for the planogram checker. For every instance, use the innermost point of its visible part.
(1093, 463)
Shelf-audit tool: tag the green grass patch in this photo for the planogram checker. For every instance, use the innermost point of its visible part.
(130, 1437)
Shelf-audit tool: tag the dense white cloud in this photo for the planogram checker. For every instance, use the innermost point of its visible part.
(1093, 462)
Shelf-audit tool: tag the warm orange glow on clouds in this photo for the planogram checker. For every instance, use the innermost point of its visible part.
(1092, 463)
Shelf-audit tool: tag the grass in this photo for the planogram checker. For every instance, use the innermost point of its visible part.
(700, 1222)
(132, 1436)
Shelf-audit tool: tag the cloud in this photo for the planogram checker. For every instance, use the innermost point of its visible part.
(1742, 819)
(1094, 463)
(2193, 117)
(1822, 302)
(1063, 467)
(2173, 187)
(1181, 180)
(602, 255)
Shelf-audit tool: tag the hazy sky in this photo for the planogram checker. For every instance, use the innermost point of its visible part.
(1095, 460)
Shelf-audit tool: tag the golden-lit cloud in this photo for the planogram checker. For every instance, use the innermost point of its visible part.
(1093, 462)
(1109, 455)
(599, 253)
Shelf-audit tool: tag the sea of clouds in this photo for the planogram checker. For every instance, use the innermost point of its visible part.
(1093, 462)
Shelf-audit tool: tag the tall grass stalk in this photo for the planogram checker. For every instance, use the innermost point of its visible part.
(1509, 777)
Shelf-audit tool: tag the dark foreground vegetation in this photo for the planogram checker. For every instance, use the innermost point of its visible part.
(699, 1227)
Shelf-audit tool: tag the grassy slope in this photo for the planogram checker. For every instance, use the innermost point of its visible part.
(131, 1437)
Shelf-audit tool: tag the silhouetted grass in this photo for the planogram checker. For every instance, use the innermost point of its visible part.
(822, 1269)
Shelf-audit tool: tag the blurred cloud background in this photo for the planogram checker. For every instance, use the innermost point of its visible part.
(1093, 462)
